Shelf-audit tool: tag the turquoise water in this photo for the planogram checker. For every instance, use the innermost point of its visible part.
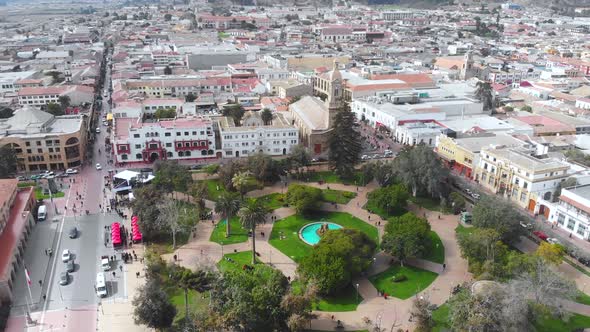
(309, 232)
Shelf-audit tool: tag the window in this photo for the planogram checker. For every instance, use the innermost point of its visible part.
(28, 143)
(561, 219)
(169, 154)
(39, 150)
(186, 133)
(138, 156)
(38, 143)
(167, 134)
(168, 145)
(525, 185)
(178, 133)
(178, 145)
(194, 133)
(581, 229)
(138, 146)
(135, 135)
(50, 149)
(124, 156)
(570, 224)
(523, 197)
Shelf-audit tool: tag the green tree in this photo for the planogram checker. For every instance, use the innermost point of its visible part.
(421, 313)
(199, 191)
(345, 144)
(64, 102)
(420, 170)
(8, 162)
(190, 97)
(171, 176)
(152, 306)
(167, 70)
(235, 111)
(484, 94)
(169, 219)
(250, 300)
(485, 252)
(200, 281)
(242, 182)
(299, 306)
(304, 199)
(228, 170)
(5, 112)
(390, 198)
(406, 236)
(340, 256)
(526, 108)
(266, 116)
(55, 109)
(227, 205)
(264, 168)
(251, 214)
(578, 157)
(145, 206)
(457, 201)
(165, 113)
(552, 253)
(491, 212)
(569, 182)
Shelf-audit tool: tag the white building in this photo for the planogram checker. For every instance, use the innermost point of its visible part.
(8, 80)
(572, 213)
(396, 15)
(413, 133)
(277, 138)
(514, 76)
(177, 139)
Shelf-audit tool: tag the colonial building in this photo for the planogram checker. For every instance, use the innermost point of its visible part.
(253, 136)
(314, 118)
(189, 138)
(572, 213)
(43, 141)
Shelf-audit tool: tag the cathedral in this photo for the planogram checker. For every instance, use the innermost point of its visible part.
(313, 116)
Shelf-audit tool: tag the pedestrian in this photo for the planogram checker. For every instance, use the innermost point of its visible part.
(332, 317)
(444, 266)
(137, 274)
(379, 223)
(369, 217)
(44, 297)
(40, 283)
(175, 258)
(121, 268)
(114, 274)
(45, 252)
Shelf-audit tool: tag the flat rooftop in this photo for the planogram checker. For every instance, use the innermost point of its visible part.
(582, 191)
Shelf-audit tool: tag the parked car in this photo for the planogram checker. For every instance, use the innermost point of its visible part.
(64, 278)
(62, 175)
(364, 157)
(73, 232)
(98, 167)
(36, 177)
(196, 166)
(66, 255)
(526, 225)
(21, 178)
(71, 171)
(553, 240)
(476, 196)
(541, 235)
(468, 191)
(70, 266)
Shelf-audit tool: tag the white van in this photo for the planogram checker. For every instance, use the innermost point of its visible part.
(42, 213)
(101, 285)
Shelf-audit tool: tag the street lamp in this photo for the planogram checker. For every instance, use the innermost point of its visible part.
(357, 293)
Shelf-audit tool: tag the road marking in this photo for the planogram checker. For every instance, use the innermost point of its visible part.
(63, 219)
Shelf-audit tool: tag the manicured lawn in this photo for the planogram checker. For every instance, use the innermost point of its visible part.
(25, 184)
(441, 319)
(196, 301)
(289, 227)
(428, 203)
(583, 298)
(273, 201)
(436, 252)
(463, 230)
(39, 194)
(239, 259)
(551, 324)
(418, 280)
(212, 189)
(345, 300)
(331, 177)
(238, 233)
(337, 196)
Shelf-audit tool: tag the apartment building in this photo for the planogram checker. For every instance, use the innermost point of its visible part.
(513, 76)
(41, 96)
(523, 175)
(9, 80)
(572, 212)
(189, 138)
(397, 15)
(253, 136)
(159, 87)
(43, 141)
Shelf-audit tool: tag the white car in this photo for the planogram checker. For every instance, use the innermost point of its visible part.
(365, 157)
(98, 167)
(474, 195)
(66, 255)
(553, 240)
(71, 171)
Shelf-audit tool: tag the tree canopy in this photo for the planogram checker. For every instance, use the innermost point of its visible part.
(55, 109)
(6, 112)
(345, 144)
(152, 306)
(165, 113)
(340, 256)
(406, 236)
(304, 199)
(494, 213)
(8, 162)
(145, 206)
(391, 198)
(171, 176)
(266, 116)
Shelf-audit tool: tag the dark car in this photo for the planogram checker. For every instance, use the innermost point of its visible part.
(70, 266)
(73, 232)
(64, 278)
(196, 166)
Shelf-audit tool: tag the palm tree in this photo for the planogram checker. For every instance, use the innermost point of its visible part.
(250, 215)
(200, 281)
(484, 94)
(227, 205)
(266, 116)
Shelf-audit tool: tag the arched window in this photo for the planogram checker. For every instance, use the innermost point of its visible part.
(124, 156)
(211, 152)
(203, 152)
(169, 154)
(547, 196)
(138, 156)
(72, 140)
(180, 154)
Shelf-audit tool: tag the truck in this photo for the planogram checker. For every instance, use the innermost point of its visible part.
(101, 285)
(105, 263)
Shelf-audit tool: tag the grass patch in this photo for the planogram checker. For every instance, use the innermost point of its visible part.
(196, 301)
(239, 259)
(548, 323)
(25, 184)
(331, 177)
(346, 300)
(583, 298)
(39, 194)
(238, 233)
(289, 227)
(417, 280)
(162, 244)
(273, 201)
(463, 230)
(372, 207)
(337, 196)
(436, 252)
(440, 316)
(214, 189)
(429, 203)
(576, 266)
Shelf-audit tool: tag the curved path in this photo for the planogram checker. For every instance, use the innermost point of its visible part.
(390, 312)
